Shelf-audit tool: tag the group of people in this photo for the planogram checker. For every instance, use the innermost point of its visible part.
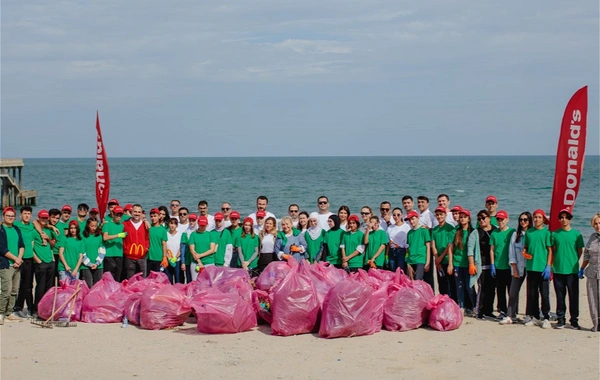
(475, 262)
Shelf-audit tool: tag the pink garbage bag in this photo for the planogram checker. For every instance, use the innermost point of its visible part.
(105, 302)
(261, 302)
(272, 274)
(295, 305)
(213, 276)
(222, 313)
(352, 308)
(64, 291)
(138, 283)
(406, 308)
(323, 278)
(445, 314)
(163, 307)
(132, 308)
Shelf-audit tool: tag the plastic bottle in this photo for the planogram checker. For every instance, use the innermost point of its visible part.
(125, 322)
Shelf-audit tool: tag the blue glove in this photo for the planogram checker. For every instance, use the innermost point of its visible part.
(493, 269)
(546, 273)
(580, 274)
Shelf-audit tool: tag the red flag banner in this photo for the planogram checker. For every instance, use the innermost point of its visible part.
(102, 173)
(569, 157)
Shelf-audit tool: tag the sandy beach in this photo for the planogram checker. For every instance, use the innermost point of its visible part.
(478, 350)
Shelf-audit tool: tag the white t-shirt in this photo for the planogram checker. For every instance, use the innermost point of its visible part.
(267, 244)
(226, 223)
(137, 225)
(174, 243)
(398, 234)
(428, 219)
(383, 224)
(322, 218)
(183, 227)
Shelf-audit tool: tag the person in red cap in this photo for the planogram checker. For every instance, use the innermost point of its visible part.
(491, 205)
(441, 237)
(44, 260)
(260, 217)
(568, 248)
(135, 243)
(247, 244)
(65, 218)
(186, 256)
(418, 254)
(202, 247)
(12, 249)
(538, 253)
(113, 234)
(352, 246)
(236, 230)
(157, 251)
(458, 263)
(479, 255)
(222, 237)
(26, 269)
(499, 252)
(112, 203)
(456, 214)
(127, 212)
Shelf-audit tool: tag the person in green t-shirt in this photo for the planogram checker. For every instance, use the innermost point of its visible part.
(201, 247)
(419, 247)
(568, 248)
(236, 230)
(222, 237)
(26, 269)
(113, 235)
(458, 262)
(441, 237)
(538, 253)
(499, 246)
(12, 249)
(375, 241)
(157, 252)
(248, 244)
(44, 266)
(71, 253)
(94, 252)
(352, 246)
(332, 252)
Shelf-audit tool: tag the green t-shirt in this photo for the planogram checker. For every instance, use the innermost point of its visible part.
(566, 247)
(114, 247)
(201, 242)
(235, 233)
(12, 238)
(81, 226)
(72, 249)
(537, 242)
(125, 218)
(27, 235)
(248, 246)
(43, 252)
(223, 238)
(351, 241)
(91, 244)
(376, 240)
(313, 247)
(62, 226)
(443, 235)
(331, 242)
(158, 235)
(417, 248)
(459, 255)
(500, 240)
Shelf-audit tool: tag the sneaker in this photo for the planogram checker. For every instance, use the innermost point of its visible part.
(23, 314)
(537, 322)
(481, 317)
(528, 321)
(506, 321)
(560, 325)
(575, 326)
(14, 318)
(546, 324)
(490, 316)
(501, 316)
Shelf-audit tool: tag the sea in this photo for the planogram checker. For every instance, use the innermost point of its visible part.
(521, 183)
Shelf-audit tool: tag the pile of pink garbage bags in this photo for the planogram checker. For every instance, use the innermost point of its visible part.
(294, 298)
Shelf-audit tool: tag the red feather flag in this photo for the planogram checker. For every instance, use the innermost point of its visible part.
(102, 173)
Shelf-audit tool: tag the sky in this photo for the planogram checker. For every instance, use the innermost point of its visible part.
(294, 78)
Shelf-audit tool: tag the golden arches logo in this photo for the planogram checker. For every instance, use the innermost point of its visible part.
(136, 250)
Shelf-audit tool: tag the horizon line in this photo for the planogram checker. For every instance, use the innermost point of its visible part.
(328, 156)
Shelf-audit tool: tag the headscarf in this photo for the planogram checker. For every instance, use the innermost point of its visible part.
(336, 222)
(314, 232)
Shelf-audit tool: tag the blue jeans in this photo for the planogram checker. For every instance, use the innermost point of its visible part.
(462, 277)
(397, 259)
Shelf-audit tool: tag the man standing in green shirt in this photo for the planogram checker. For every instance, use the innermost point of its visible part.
(11, 257)
(499, 245)
(44, 260)
(568, 247)
(65, 218)
(25, 295)
(441, 236)
(112, 234)
(157, 251)
(202, 248)
(419, 247)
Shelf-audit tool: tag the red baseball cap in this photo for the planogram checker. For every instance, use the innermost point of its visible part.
(67, 208)
(491, 198)
(411, 214)
(73, 223)
(456, 208)
(202, 220)
(565, 210)
(43, 214)
(154, 211)
(261, 214)
(193, 217)
(440, 209)
(118, 210)
(354, 217)
(7, 209)
(248, 220)
(235, 215)
(128, 207)
(501, 215)
(543, 214)
(113, 201)
(94, 210)
(465, 211)
(219, 216)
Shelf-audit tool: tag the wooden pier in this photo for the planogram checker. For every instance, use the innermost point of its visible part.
(12, 192)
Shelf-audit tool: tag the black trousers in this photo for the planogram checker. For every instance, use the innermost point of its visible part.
(44, 279)
(91, 276)
(428, 276)
(536, 286)
(567, 284)
(513, 297)
(264, 259)
(153, 266)
(114, 265)
(446, 283)
(25, 295)
(503, 280)
(486, 293)
(131, 267)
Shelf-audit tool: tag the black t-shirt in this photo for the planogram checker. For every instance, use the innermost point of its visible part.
(484, 245)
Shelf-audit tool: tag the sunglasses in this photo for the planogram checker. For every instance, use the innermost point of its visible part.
(182, 214)
(175, 205)
(523, 220)
(294, 210)
(482, 218)
(323, 202)
(365, 213)
(396, 214)
(66, 212)
(225, 208)
(384, 209)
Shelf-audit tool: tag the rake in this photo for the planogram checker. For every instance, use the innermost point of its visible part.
(49, 323)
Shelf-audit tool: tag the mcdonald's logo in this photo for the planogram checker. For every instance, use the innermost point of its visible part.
(137, 251)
